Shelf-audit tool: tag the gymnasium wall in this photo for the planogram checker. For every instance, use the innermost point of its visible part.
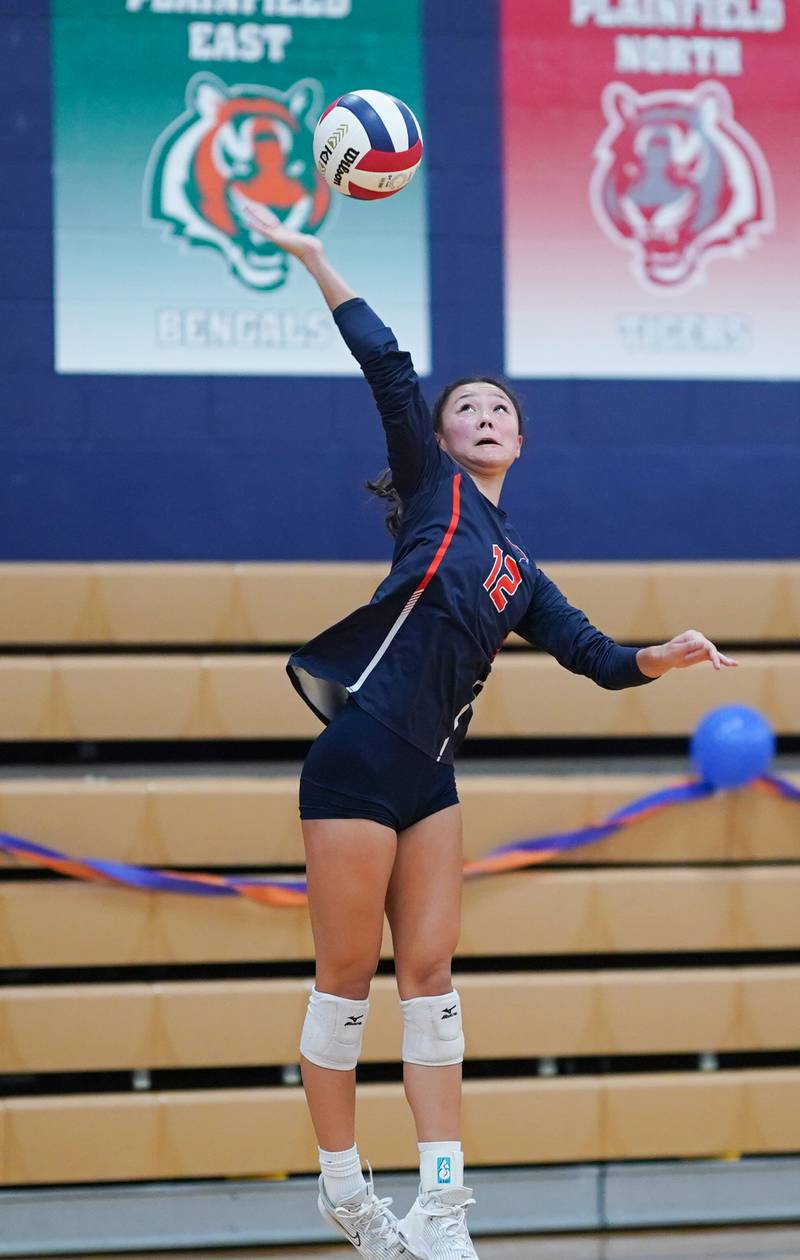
(112, 467)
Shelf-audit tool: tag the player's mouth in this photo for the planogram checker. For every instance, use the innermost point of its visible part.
(488, 442)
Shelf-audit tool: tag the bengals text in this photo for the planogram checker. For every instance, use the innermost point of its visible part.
(202, 328)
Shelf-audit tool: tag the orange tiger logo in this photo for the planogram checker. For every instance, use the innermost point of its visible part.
(250, 140)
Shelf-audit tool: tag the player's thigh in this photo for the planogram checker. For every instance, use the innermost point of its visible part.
(424, 900)
(348, 865)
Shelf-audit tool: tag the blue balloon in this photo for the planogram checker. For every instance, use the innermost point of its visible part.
(732, 745)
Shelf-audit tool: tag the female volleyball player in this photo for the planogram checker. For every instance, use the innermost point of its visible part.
(395, 682)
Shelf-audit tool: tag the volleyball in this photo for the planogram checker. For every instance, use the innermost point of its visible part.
(367, 145)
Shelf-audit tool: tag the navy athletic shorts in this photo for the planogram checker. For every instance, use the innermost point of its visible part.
(358, 768)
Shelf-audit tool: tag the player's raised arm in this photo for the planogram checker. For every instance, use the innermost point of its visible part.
(305, 248)
(389, 371)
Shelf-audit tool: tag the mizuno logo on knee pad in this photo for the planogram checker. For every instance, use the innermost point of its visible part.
(432, 1032)
(333, 1030)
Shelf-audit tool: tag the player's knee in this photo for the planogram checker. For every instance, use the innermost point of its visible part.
(433, 1035)
(423, 978)
(333, 1031)
(349, 976)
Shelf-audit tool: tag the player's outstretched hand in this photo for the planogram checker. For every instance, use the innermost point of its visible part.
(689, 648)
(262, 220)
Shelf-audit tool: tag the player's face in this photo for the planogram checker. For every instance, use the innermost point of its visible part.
(479, 428)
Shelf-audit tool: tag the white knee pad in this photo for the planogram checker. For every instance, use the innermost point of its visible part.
(333, 1030)
(433, 1035)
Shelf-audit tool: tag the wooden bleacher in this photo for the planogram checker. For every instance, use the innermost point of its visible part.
(247, 697)
(224, 1023)
(286, 602)
(252, 1132)
(668, 902)
(179, 821)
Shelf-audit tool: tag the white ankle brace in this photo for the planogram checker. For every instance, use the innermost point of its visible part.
(441, 1165)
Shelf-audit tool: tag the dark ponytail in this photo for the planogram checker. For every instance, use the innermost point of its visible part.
(383, 487)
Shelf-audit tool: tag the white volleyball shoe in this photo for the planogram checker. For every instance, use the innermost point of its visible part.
(367, 1222)
(436, 1226)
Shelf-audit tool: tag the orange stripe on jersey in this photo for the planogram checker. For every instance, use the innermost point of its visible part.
(451, 529)
(412, 601)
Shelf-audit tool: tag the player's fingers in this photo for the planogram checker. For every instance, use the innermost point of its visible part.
(703, 651)
(257, 215)
(728, 660)
(687, 643)
(693, 651)
(258, 221)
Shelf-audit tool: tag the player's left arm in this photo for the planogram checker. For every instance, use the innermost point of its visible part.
(689, 648)
(553, 624)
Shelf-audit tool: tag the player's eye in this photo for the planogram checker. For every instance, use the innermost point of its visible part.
(501, 407)
(464, 406)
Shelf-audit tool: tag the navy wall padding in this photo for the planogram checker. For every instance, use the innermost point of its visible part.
(271, 468)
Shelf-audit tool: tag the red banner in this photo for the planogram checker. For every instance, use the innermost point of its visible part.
(652, 188)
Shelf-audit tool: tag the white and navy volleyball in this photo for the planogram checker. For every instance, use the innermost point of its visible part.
(367, 145)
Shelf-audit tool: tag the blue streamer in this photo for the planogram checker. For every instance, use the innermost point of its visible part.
(674, 795)
(228, 886)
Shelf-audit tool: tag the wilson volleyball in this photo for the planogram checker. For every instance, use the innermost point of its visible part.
(367, 145)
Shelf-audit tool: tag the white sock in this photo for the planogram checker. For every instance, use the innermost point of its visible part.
(341, 1173)
(441, 1164)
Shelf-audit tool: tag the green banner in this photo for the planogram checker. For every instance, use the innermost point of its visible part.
(163, 111)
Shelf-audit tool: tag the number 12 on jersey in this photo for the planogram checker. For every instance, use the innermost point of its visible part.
(501, 585)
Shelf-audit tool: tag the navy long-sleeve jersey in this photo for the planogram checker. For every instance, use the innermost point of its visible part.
(461, 579)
